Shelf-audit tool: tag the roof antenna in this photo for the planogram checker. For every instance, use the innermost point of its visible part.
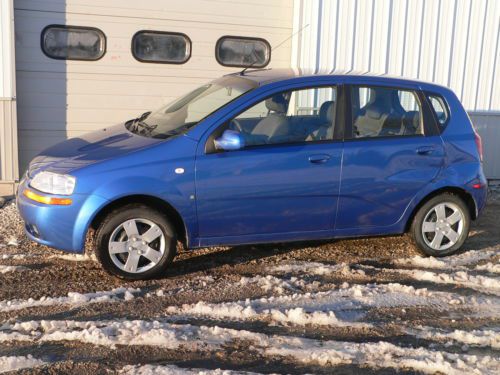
(242, 73)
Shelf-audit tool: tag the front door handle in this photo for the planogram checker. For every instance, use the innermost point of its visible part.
(319, 159)
(425, 150)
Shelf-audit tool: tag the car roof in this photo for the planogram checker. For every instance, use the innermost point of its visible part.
(266, 76)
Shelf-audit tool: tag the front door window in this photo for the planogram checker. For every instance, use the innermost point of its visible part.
(297, 116)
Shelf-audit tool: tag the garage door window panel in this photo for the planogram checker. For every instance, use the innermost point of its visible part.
(243, 52)
(73, 42)
(161, 47)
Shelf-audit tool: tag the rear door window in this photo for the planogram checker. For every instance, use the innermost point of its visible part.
(385, 112)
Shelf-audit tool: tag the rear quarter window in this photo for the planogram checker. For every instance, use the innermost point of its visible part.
(440, 109)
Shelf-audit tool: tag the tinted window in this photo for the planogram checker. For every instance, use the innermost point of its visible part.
(440, 109)
(73, 42)
(289, 117)
(161, 47)
(382, 112)
(242, 52)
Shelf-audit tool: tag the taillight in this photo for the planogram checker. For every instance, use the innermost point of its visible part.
(479, 145)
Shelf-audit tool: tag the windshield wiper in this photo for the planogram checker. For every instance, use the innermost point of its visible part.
(146, 127)
(134, 124)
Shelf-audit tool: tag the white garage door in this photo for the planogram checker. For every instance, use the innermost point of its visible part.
(59, 99)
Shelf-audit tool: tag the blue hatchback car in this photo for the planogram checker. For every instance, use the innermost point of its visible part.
(263, 156)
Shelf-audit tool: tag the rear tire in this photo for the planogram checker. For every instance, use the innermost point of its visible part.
(441, 225)
(135, 242)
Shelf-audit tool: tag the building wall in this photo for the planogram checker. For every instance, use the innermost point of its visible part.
(8, 130)
(450, 42)
(61, 99)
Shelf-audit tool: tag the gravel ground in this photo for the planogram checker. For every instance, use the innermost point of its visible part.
(349, 306)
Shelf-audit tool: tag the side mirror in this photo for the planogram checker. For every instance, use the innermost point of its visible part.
(230, 141)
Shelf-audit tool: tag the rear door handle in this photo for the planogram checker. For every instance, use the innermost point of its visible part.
(319, 159)
(425, 150)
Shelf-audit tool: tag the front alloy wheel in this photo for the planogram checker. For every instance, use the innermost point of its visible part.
(135, 242)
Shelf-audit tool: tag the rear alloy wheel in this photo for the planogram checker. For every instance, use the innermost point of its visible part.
(135, 243)
(441, 226)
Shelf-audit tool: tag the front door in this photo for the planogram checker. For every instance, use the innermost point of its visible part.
(284, 183)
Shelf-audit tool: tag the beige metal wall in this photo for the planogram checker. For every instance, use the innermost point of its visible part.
(8, 130)
(61, 99)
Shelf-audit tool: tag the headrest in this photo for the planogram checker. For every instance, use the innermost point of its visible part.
(374, 112)
(327, 111)
(382, 101)
(412, 118)
(276, 103)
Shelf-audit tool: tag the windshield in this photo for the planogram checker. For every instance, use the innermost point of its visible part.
(187, 111)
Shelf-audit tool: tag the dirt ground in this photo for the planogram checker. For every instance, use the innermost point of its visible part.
(347, 307)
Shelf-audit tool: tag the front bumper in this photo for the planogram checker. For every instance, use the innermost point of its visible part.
(61, 227)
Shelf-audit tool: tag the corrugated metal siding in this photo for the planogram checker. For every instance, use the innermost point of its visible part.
(61, 99)
(451, 42)
(488, 127)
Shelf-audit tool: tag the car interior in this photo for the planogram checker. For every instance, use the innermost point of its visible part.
(283, 126)
(384, 115)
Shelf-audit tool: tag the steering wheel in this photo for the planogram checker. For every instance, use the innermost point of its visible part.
(236, 125)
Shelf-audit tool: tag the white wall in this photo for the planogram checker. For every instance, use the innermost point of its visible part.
(7, 81)
(8, 129)
(451, 42)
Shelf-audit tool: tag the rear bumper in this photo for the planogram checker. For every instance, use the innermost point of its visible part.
(60, 227)
(479, 194)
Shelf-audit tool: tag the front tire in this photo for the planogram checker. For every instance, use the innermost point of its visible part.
(135, 242)
(441, 225)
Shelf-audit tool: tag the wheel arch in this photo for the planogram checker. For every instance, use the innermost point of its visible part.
(150, 201)
(463, 194)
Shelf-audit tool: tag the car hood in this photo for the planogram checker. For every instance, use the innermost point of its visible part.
(88, 149)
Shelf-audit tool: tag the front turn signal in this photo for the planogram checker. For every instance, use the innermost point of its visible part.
(47, 200)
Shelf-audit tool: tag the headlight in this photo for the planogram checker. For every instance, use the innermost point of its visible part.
(54, 183)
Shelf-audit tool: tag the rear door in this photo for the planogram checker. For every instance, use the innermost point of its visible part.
(284, 184)
(391, 151)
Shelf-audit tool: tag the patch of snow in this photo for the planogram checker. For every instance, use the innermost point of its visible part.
(379, 355)
(75, 257)
(16, 363)
(478, 337)
(112, 333)
(73, 299)
(14, 256)
(325, 353)
(13, 242)
(311, 268)
(339, 307)
(174, 370)
(5, 269)
(274, 284)
(460, 278)
(489, 267)
(255, 310)
(446, 263)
